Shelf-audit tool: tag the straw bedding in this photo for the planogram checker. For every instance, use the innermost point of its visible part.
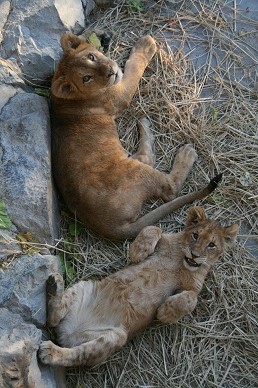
(211, 103)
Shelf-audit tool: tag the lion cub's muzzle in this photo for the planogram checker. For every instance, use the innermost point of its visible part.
(194, 261)
(115, 74)
(191, 261)
(111, 72)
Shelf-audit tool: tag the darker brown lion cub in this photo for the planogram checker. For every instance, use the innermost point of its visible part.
(93, 319)
(98, 181)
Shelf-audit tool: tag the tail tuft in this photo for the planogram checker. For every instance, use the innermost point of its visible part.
(214, 182)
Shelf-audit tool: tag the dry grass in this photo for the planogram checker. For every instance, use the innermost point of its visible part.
(212, 103)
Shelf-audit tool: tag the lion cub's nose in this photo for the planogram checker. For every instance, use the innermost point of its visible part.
(194, 256)
(111, 72)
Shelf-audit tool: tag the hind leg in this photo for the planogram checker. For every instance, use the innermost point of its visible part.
(145, 150)
(88, 353)
(171, 184)
(57, 301)
(183, 163)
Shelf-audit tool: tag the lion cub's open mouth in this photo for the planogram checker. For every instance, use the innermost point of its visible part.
(192, 262)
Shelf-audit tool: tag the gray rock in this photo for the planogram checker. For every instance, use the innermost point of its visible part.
(33, 31)
(10, 81)
(88, 6)
(25, 168)
(4, 13)
(10, 74)
(6, 93)
(19, 342)
(71, 13)
(23, 286)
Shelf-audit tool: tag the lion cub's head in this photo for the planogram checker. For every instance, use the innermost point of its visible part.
(204, 240)
(83, 71)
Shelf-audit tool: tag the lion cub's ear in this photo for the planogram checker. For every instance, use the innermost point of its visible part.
(62, 88)
(70, 42)
(230, 235)
(195, 215)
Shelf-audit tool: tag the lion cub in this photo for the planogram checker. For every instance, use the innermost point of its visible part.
(93, 319)
(96, 178)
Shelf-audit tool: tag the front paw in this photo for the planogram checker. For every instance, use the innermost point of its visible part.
(145, 243)
(49, 353)
(147, 46)
(167, 314)
(176, 306)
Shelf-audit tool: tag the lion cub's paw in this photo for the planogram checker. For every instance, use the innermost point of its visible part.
(49, 353)
(144, 126)
(145, 123)
(176, 306)
(145, 243)
(147, 46)
(167, 315)
(169, 311)
(186, 155)
(55, 285)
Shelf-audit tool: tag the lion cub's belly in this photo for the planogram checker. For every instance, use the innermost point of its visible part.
(99, 306)
(80, 321)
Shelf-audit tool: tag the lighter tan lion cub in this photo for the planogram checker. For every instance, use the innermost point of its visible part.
(93, 319)
(98, 181)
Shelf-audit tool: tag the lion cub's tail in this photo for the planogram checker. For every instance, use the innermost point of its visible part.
(131, 230)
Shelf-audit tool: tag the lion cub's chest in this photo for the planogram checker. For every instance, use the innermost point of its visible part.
(143, 285)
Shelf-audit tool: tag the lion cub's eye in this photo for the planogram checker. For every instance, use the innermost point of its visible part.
(91, 57)
(86, 79)
(211, 245)
(195, 236)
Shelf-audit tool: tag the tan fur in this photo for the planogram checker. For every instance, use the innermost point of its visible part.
(93, 319)
(98, 181)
